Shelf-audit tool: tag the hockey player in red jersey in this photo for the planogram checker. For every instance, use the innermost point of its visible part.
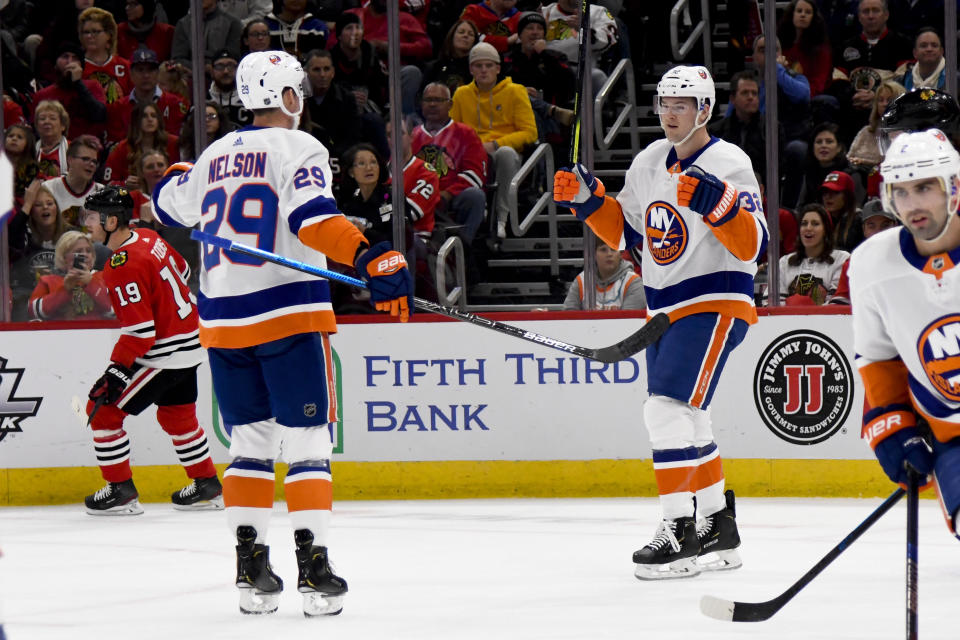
(153, 363)
(695, 202)
(905, 294)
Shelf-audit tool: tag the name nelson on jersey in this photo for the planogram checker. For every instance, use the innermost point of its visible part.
(246, 164)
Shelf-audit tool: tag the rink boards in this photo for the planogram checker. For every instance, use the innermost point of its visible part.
(443, 409)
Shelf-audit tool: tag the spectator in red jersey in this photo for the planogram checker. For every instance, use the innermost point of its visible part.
(98, 37)
(496, 20)
(146, 131)
(803, 35)
(12, 112)
(455, 152)
(82, 98)
(256, 36)
(452, 67)
(145, 72)
(146, 174)
(74, 291)
(52, 122)
(143, 30)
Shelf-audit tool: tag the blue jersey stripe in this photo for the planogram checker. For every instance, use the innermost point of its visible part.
(305, 467)
(931, 404)
(719, 282)
(687, 454)
(319, 206)
(164, 217)
(246, 305)
(252, 465)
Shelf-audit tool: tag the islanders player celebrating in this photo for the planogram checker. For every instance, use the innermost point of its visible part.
(694, 202)
(905, 289)
(266, 328)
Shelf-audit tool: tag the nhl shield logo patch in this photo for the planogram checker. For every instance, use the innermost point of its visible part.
(310, 409)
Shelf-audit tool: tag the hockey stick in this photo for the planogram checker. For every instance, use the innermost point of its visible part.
(584, 42)
(913, 507)
(758, 611)
(634, 343)
(80, 409)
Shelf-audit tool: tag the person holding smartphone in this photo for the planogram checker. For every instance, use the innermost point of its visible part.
(73, 291)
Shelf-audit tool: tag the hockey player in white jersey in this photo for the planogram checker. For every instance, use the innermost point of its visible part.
(266, 328)
(905, 291)
(694, 202)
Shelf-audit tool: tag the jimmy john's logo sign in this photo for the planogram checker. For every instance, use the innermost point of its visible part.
(803, 387)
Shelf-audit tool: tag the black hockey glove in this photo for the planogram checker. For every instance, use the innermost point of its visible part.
(111, 384)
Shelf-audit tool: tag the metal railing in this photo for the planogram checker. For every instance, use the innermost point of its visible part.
(458, 295)
(701, 30)
(543, 153)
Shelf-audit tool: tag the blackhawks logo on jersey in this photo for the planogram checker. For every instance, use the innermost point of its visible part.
(118, 259)
(435, 158)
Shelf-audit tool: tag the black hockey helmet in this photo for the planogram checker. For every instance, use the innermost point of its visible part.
(111, 201)
(919, 110)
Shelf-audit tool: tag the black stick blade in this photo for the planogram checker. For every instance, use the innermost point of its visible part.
(635, 342)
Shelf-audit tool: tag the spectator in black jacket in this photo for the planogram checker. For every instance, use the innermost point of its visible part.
(744, 126)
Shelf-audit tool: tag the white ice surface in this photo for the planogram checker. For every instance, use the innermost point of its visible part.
(470, 569)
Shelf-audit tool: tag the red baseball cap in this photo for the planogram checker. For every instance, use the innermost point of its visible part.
(838, 181)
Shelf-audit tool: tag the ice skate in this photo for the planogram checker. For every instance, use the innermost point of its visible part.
(719, 539)
(322, 590)
(259, 586)
(671, 554)
(202, 494)
(115, 499)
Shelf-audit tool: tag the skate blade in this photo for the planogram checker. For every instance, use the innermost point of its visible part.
(319, 604)
(683, 568)
(253, 602)
(132, 508)
(726, 560)
(214, 504)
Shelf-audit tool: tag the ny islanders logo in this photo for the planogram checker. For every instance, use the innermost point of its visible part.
(939, 352)
(803, 387)
(666, 232)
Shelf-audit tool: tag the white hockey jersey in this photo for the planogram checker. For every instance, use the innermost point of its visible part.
(256, 186)
(686, 267)
(906, 327)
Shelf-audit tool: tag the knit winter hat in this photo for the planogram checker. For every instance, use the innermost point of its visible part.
(531, 17)
(484, 51)
(345, 19)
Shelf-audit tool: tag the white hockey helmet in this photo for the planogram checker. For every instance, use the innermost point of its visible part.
(917, 155)
(263, 75)
(687, 82)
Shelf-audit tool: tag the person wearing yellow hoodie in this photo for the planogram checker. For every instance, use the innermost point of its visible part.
(501, 114)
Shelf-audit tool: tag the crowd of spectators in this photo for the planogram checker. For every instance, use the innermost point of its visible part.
(102, 95)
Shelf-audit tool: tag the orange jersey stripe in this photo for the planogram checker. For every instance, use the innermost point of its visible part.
(336, 237)
(885, 383)
(714, 351)
(607, 222)
(241, 491)
(309, 493)
(267, 330)
(331, 380)
(730, 308)
(708, 474)
(675, 480)
(739, 235)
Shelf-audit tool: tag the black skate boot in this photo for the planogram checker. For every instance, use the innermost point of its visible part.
(259, 586)
(115, 499)
(719, 539)
(671, 554)
(322, 590)
(203, 494)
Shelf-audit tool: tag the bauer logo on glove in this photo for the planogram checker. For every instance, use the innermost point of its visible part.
(388, 279)
(707, 195)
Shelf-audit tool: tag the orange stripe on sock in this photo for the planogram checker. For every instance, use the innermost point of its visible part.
(331, 379)
(675, 480)
(708, 474)
(307, 494)
(239, 491)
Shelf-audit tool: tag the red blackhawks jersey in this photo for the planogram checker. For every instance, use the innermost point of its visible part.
(147, 280)
(114, 76)
(420, 186)
(455, 153)
(494, 29)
